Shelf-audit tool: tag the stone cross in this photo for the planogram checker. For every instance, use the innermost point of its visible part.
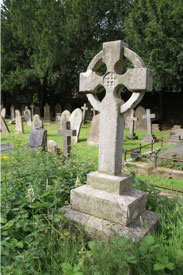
(84, 108)
(148, 117)
(137, 80)
(67, 133)
(132, 120)
(32, 109)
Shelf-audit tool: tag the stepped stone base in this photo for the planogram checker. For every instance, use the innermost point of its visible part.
(98, 229)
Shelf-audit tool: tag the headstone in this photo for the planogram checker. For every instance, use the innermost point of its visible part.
(107, 203)
(27, 115)
(58, 108)
(3, 113)
(38, 135)
(76, 120)
(68, 107)
(52, 146)
(141, 123)
(132, 120)
(67, 133)
(93, 138)
(3, 126)
(84, 108)
(47, 112)
(149, 137)
(127, 122)
(37, 110)
(58, 115)
(177, 132)
(4, 148)
(12, 113)
(19, 124)
(22, 109)
(32, 109)
(64, 116)
(37, 123)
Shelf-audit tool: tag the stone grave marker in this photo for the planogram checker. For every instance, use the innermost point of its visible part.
(107, 203)
(19, 129)
(3, 126)
(141, 123)
(27, 115)
(12, 115)
(84, 108)
(32, 109)
(127, 122)
(3, 113)
(176, 135)
(64, 116)
(67, 133)
(22, 109)
(76, 120)
(149, 137)
(132, 120)
(47, 112)
(5, 147)
(37, 110)
(52, 146)
(93, 138)
(38, 135)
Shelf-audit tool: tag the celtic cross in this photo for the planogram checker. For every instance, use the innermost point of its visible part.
(137, 80)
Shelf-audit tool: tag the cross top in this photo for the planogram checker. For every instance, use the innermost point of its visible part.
(111, 108)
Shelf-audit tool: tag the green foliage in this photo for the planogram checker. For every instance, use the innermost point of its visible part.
(154, 30)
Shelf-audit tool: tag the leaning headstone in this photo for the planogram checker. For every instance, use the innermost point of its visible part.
(64, 116)
(38, 135)
(58, 108)
(19, 129)
(141, 123)
(132, 120)
(27, 115)
(3, 126)
(107, 204)
(84, 109)
(93, 138)
(149, 137)
(3, 113)
(47, 112)
(67, 133)
(76, 120)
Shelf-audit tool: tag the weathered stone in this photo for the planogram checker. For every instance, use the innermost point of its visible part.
(67, 133)
(141, 123)
(64, 116)
(3, 126)
(3, 113)
(175, 152)
(27, 114)
(127, 122)
(32, 109)
(52, 146)
(76, 120)
(84, 108)
(4, 148)
(149, 137)
(58, 115)
(47, 112)
(38, 138)
(177, 132)
(19, 124)
(132, 120)
(37, 123)
(107, 194)
(93, 138)
(12, 113)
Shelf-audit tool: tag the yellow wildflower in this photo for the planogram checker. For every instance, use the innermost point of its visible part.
(5, 158)
(40, 148)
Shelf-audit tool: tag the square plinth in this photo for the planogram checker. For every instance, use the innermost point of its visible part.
(98, 229)
(121, 209)
(112, 184)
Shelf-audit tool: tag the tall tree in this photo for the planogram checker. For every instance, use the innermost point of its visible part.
(154, 29)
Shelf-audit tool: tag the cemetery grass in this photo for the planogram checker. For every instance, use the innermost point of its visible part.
(37, 239)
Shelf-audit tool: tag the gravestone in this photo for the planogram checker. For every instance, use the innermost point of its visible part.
(27, 115)
(3, 126)
(37, 110)
(67, 133)
(3, 113)
(58, 108)
(141, 123)
(64, 116)
(127, 122)
(19, 129)
(149, 137)
(22, 109)
(93, 138)
(38, 135)
(84, 108)
(12, 113)
(47, 112)
(132, 120)
(4, 148)
(76, 120)
(176, 135)
(58, 116)
(52, 146)
(107, 203)
(32, 109)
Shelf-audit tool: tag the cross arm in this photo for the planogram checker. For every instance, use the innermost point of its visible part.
(89, 82)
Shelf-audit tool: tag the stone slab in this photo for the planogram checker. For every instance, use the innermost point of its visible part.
(5, 147)
(112, 184)
(121, 209)
(98, 229)
(38, 138)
